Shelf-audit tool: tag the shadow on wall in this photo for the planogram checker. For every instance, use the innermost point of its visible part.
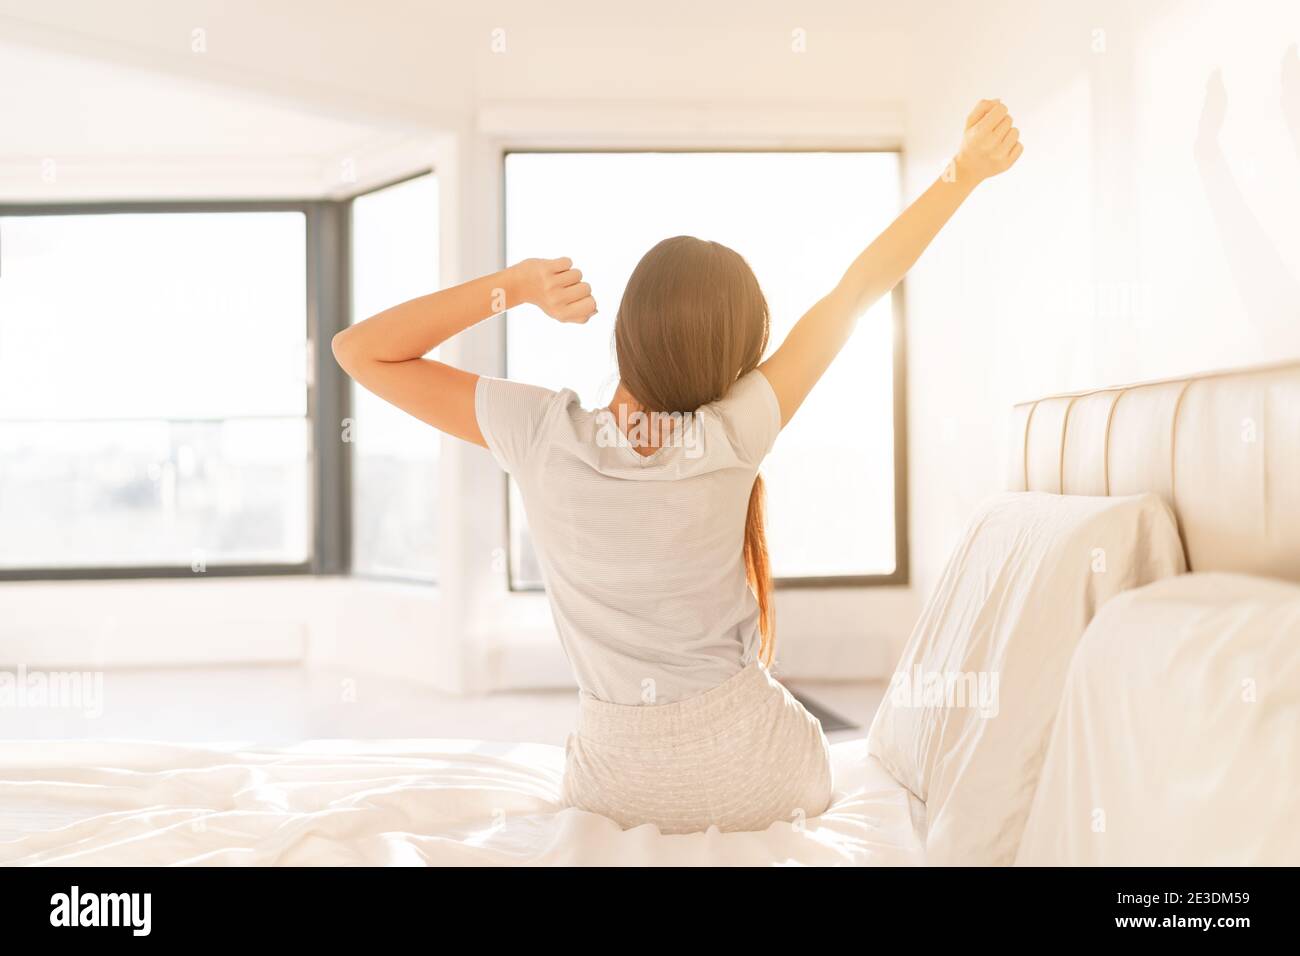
(1269, 291)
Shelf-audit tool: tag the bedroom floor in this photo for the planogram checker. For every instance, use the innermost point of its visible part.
(276, 704)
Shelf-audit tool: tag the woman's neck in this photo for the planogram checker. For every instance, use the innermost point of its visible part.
(624, 406)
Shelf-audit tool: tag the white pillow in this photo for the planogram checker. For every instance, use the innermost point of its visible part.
(966, 719)
(1177, 742)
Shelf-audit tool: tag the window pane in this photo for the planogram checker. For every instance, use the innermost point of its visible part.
(394, 456)
(153, 391)
(799, 219)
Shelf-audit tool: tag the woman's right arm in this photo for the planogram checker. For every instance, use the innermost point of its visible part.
(990, 145)
(385, 353)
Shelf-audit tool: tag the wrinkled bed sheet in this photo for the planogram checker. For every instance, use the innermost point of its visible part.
(413, 802)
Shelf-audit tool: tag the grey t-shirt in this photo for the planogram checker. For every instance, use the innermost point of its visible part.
(641, 555)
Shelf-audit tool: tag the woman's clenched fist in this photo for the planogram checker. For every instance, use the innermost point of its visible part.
(990, 145)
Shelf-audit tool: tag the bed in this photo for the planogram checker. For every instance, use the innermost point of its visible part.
(418, 802)
(1223, 450)
(1177, 741)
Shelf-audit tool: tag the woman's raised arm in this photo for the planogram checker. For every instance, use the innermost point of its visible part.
(990, 145)
(385, 353)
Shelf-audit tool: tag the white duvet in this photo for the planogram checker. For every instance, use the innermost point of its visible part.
(1177, 742)
(429, 802)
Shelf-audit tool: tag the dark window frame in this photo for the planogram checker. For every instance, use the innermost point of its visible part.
(901, 575)
(327, 251)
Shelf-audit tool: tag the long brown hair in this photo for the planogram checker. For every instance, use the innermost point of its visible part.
(693, 320)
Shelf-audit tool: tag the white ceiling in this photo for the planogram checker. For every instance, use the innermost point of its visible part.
(69, 106)
(286, 93)
(82, 127)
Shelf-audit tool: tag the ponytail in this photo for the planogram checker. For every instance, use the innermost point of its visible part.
(758, 571)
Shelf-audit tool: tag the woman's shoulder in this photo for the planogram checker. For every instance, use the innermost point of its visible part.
(516, 418)
(749, 415)
(751, 389)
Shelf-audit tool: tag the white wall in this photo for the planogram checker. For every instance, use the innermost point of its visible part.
(1118, 249)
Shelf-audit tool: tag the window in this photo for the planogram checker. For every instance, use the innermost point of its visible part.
(153, 393)
(394, 456)
(799, 218)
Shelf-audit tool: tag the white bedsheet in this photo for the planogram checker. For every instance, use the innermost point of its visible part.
(1178, 738)
(458, 802)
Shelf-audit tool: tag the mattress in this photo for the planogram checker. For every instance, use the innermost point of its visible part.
(412, 802)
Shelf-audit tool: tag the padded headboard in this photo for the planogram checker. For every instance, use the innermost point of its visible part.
(1223, 448)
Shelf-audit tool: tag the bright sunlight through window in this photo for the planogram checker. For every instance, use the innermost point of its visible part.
(153, 394)
(799, 218)
(395, 456)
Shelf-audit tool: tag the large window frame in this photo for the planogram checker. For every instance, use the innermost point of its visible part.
(328, 304)
(900, 576)
(328, 400)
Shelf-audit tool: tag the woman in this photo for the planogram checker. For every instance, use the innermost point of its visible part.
(648, 515)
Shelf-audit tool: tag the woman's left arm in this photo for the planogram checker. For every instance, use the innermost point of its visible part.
(385, 353)
(990, 145)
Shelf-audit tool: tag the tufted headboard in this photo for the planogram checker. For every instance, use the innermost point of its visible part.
(1223, 448)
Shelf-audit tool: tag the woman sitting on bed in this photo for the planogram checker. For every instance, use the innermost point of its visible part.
(647, 515)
